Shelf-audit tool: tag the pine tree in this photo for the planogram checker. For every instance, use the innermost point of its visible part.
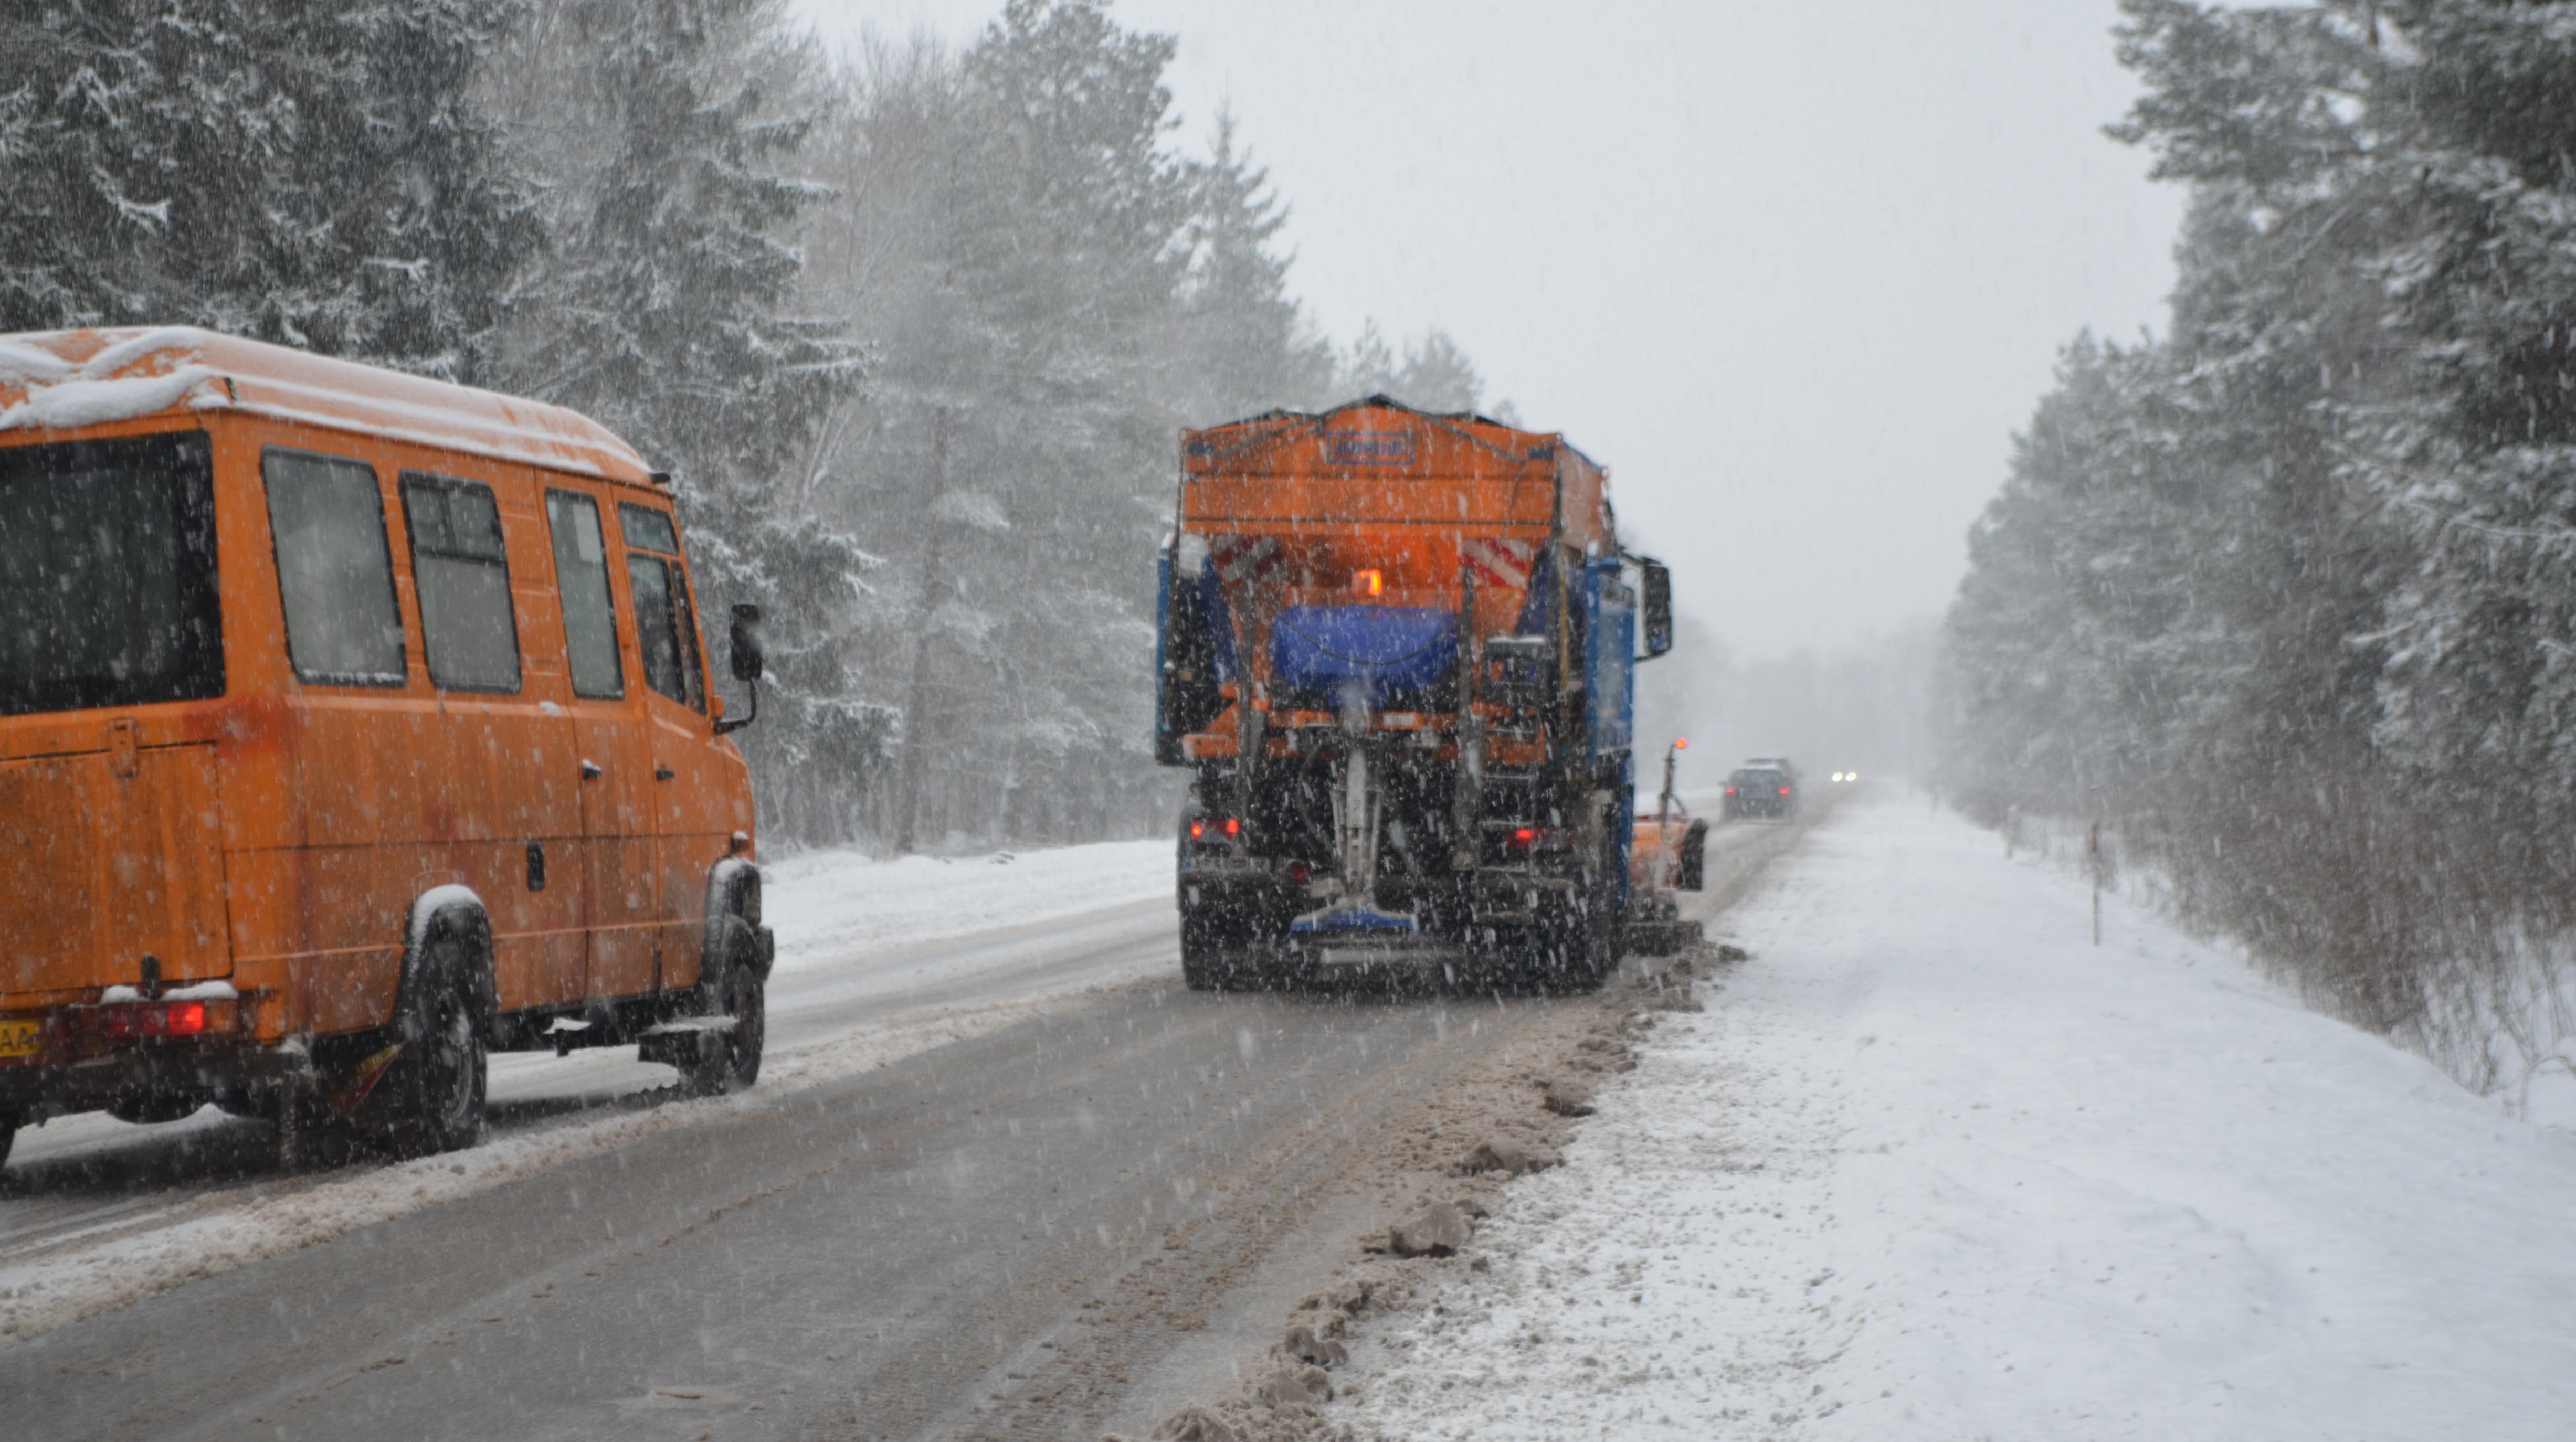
(313, 175)
(2478, 455)
(1367, 367)
(1051, 291)
(2297, 612)
(666, 310)
(1437, 375)
(1245, 346)
(1434, 374)
(1018, 266)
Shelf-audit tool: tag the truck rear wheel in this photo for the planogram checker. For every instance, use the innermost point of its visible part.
(1207, 960)
(1541, 957)
(1568, 950)
(1199, 968)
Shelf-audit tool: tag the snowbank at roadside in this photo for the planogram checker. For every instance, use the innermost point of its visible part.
(825, 905)
(1931, 1165)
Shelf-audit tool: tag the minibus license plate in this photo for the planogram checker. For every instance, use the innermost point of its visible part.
(21, 1038)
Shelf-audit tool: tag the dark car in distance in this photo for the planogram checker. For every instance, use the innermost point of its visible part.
(1761, 791)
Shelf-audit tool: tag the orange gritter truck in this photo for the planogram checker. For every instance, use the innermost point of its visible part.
(1396, 650)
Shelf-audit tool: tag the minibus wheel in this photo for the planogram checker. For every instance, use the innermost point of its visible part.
(8, 1135)
(736, 989)
(439, 1079)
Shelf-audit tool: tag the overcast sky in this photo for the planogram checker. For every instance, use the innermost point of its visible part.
(1794, 272)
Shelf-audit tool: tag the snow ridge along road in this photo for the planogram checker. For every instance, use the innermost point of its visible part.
(1931, 1165)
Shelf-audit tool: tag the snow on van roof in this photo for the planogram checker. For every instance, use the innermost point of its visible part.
(66, 380)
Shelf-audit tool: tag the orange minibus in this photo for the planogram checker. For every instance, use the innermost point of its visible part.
(352, 725)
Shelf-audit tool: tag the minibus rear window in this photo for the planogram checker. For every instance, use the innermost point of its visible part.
(107, 574)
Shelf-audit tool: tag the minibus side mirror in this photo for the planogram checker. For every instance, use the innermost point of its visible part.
(746, 663)
(746, 642)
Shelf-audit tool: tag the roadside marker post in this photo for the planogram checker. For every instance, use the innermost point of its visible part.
(2093, 854)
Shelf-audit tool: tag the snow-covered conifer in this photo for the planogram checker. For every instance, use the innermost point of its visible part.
(315, 175)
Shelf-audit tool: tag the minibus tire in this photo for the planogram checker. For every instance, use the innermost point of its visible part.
(8, 1135)
(439, 1080)
(736, 989)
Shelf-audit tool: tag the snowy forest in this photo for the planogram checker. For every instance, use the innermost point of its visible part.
(2284, 596)
(913, 328)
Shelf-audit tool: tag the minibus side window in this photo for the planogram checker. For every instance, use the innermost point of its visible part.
(335, 569)
(664, 624)
(462, 576)
(581, 579)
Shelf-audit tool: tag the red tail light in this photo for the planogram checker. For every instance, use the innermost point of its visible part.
(1233, 826)
(126, 1021)
(1784, 790)
(1197, 830)
(1300, 873)
(1730, 791)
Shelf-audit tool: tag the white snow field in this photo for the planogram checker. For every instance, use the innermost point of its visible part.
(1933, 1166)
(876, 961)
(826, 905)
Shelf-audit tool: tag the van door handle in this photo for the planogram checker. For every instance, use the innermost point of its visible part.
(589, 769)
(663, 773)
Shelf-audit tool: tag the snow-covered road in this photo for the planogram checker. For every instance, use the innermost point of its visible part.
(876, 960)
(1062, 1212)
(1931, 1165)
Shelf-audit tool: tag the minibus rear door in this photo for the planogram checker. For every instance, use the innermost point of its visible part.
(108, 858)
(110, 840)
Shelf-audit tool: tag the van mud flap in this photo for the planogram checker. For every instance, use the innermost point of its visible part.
(684, 1042)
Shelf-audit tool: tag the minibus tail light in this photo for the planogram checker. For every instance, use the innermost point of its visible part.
(129, 1020)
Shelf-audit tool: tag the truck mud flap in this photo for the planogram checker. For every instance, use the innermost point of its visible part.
(1662, 938)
